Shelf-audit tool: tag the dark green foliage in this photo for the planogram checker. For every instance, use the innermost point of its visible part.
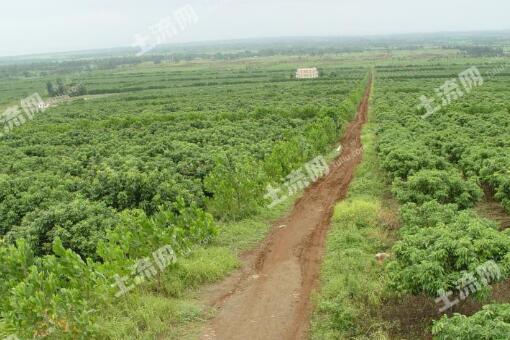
(403, 162)
(144, 149)
(50, 88)
(60, 88)
(287, 156)
(434, 258)
(503, 192)
(20, 195)
(429, 214)
(80, 224)
(237, 187)
(442, 186)
(132, 188)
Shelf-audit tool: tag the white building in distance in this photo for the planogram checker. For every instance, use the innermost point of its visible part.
(307, 73)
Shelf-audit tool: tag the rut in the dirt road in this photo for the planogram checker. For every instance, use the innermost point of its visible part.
(270, 299)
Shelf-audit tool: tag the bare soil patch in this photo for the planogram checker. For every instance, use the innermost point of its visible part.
(492, 209)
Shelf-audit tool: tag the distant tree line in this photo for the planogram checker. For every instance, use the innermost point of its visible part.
(60, 88)
(482, 51)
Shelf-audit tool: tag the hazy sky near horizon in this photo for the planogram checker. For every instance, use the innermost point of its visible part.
(41, 26)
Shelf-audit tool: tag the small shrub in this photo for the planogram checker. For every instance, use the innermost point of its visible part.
(434, 258)
(492, 323)
(443, 186)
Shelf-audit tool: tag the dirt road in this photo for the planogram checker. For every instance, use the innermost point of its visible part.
(270, 298)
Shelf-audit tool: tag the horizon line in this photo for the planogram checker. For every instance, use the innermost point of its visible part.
(204, 42)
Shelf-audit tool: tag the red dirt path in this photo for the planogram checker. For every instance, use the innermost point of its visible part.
(270, 297)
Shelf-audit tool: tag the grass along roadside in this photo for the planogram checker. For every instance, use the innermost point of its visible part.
(175, 311)
(352, 281)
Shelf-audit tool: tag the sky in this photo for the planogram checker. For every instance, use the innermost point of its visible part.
(43, 26)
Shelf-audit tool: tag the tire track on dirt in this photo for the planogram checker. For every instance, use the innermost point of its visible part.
(270, 297)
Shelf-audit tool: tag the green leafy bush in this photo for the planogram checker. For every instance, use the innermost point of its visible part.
(132, 188)
(429, 214)
(429, 259)
(137, 235)
(402, 162)
(53, 296)
(442, 186)
(503, 192)
(236, 186)
(286, 157)
(59, 295)
(492, 323)
(80, 224)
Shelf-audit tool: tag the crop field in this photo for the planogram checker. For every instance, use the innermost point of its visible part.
(145, 147)
(166, 143)
(141, 202)
(441, 215)
(451, 164)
